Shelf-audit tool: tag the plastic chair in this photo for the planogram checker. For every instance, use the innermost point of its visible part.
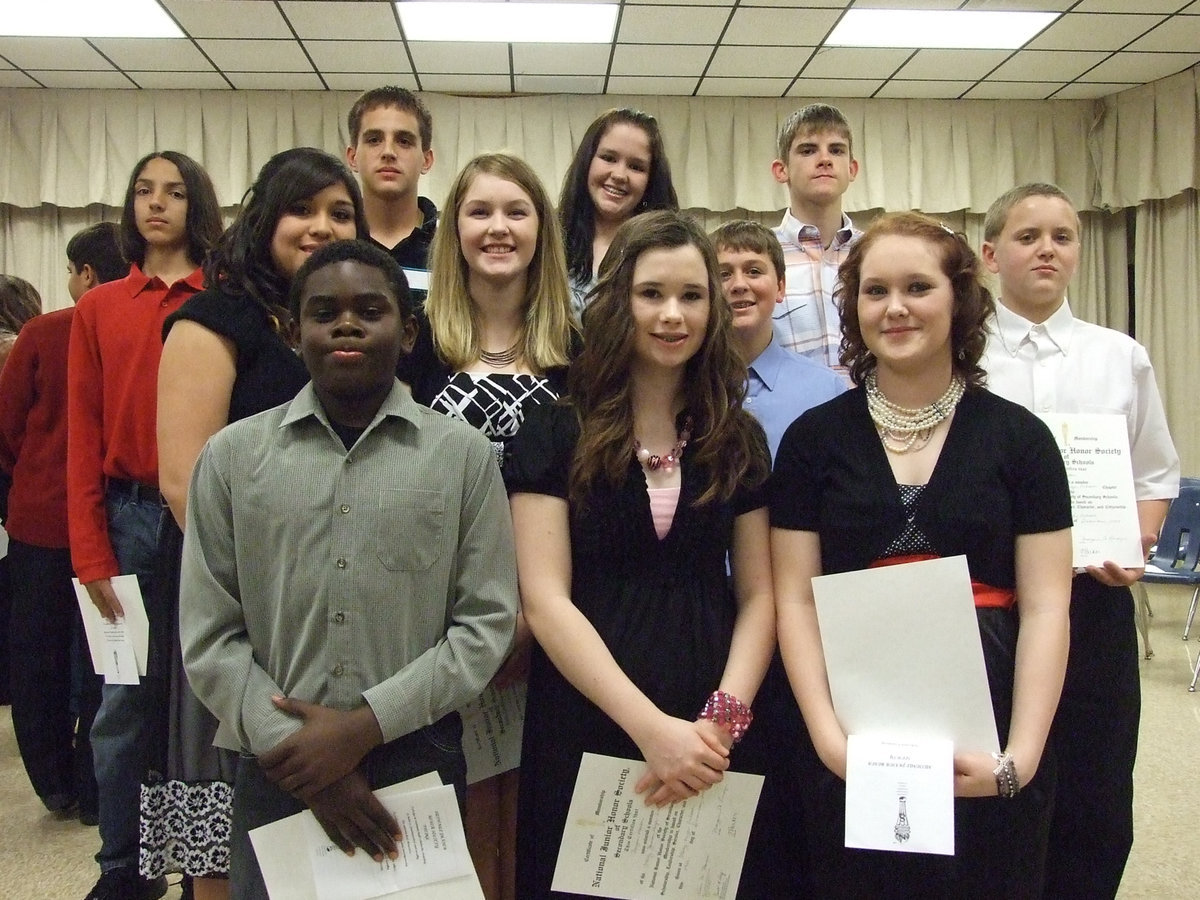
(1174, 558)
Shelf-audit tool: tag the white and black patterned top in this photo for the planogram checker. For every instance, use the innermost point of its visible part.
(912, 539)
(496, 403)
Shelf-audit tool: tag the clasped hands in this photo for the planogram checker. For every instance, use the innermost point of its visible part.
(318, 765)
(684, 758)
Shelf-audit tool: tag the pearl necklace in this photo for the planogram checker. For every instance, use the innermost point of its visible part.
(666, 463)
(501, 359)
(902, 429)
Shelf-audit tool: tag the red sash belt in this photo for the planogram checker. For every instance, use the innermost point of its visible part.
(985, 594)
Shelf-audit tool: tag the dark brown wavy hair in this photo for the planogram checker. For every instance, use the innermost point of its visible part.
(726, 442)
(973, 304)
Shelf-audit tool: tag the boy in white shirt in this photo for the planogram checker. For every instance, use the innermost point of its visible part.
(1042, 357)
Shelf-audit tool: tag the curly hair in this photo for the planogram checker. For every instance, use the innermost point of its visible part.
(726, 441)
(973, 304)
(575, 209)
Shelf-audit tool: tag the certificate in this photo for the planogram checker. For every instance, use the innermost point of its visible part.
(615, 846)
(1095, 449)
(903, 654)
(119, 649)
(432, 846)
(492, 727)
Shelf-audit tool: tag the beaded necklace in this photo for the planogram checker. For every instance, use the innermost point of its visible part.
(902, 429)
(667, 463)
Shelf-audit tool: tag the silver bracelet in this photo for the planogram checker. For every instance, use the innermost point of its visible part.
(1008, 785)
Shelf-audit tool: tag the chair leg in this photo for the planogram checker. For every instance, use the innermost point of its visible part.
(1195, 674)
(1141, 615)
(1191, 613)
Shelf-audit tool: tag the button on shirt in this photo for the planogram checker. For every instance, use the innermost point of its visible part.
(385, 573)
(808, 321)
(781, 385)
(1065, 365)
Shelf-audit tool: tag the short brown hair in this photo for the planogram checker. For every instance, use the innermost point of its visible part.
(751, 236)
(814, 117)
(997, 214)
(390, 95)
(973, 304)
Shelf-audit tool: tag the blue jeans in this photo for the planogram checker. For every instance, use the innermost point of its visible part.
(120, 734)
(257, 801)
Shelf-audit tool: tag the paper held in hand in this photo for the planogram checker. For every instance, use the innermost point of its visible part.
(119, 649)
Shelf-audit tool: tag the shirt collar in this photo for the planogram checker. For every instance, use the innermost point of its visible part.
(768, 364)
(800, 232)
(139, 281)
(398, 404)
(1014, 329)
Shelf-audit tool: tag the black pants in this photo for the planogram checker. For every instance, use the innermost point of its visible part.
(1095, 734)
(43, 632)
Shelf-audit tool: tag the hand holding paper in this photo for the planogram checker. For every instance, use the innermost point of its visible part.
(352, 816)
(329, 745)
(105, 598)
(683, 760)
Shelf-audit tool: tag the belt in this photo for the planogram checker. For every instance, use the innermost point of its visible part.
(136, 490)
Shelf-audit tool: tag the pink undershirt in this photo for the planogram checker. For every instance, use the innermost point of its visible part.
(662, 508)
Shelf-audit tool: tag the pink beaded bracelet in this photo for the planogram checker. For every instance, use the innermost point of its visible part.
(729, 712)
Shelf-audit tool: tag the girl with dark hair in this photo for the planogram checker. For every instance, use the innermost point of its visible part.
(920, 461)
(227, 354)
(19, 302)
(620, 169)
(626, 501)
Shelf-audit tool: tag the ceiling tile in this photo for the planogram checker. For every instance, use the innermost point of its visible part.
(1094, 31)
(146, 54)
(824, 88)
(912, 4)
(1120, 6)
(467, 84)
(743, 87)
(551, 59)
(660, 59)
(483, 59)
(1047, 65)
(1084, 90)
(1180, 34)
(358, 56)
(671, 24)
(52, 53)
(1020, 5)
(363, 81)
(179, 81)
(333, 21)
(560, 84)
(275, 81)
(103, 80)
(812, 4)
(926, 90)
(768, 62)
(229, 18)
(779, 27)
(1140, 68)
(839, 62)
(1013, 90)
(14, 79)
(256, 56)
(638, 84)
(952, 65)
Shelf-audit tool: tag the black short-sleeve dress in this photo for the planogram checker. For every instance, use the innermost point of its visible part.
(999, 475)
(664, 609)
(185, 810)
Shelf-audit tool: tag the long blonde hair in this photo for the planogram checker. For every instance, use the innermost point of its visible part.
(548, 327)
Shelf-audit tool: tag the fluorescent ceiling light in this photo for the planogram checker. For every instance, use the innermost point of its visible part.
(562, 23)
(953, 29)
(86, 18)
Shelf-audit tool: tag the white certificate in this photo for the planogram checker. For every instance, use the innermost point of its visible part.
(616, 846)
(1095, 449)
(492, 727)
(279, 844)
(119, 649)
(900, 795)
(3, 542)
(903, 653)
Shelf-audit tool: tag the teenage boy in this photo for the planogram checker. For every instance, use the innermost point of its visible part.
(45, 624)
(391, 147)
(334, 631)
(1042, 357)
(170, 219)
(781, 384)
(816, 162)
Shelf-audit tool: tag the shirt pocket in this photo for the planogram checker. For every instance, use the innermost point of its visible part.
(410, 539)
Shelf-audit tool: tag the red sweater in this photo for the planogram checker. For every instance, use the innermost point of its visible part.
(112, 392)
(33, 430)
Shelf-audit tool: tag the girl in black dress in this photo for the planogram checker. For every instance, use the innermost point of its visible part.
(626, 501)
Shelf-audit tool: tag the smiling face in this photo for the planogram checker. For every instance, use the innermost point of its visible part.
(497, 229)
(752, 287)
(619, 172)
(160, 205)
(818, 169)
(669, 302)
(1035, 255)
(308, 224)
(389, 157)
(905, 305)
(351, 336)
